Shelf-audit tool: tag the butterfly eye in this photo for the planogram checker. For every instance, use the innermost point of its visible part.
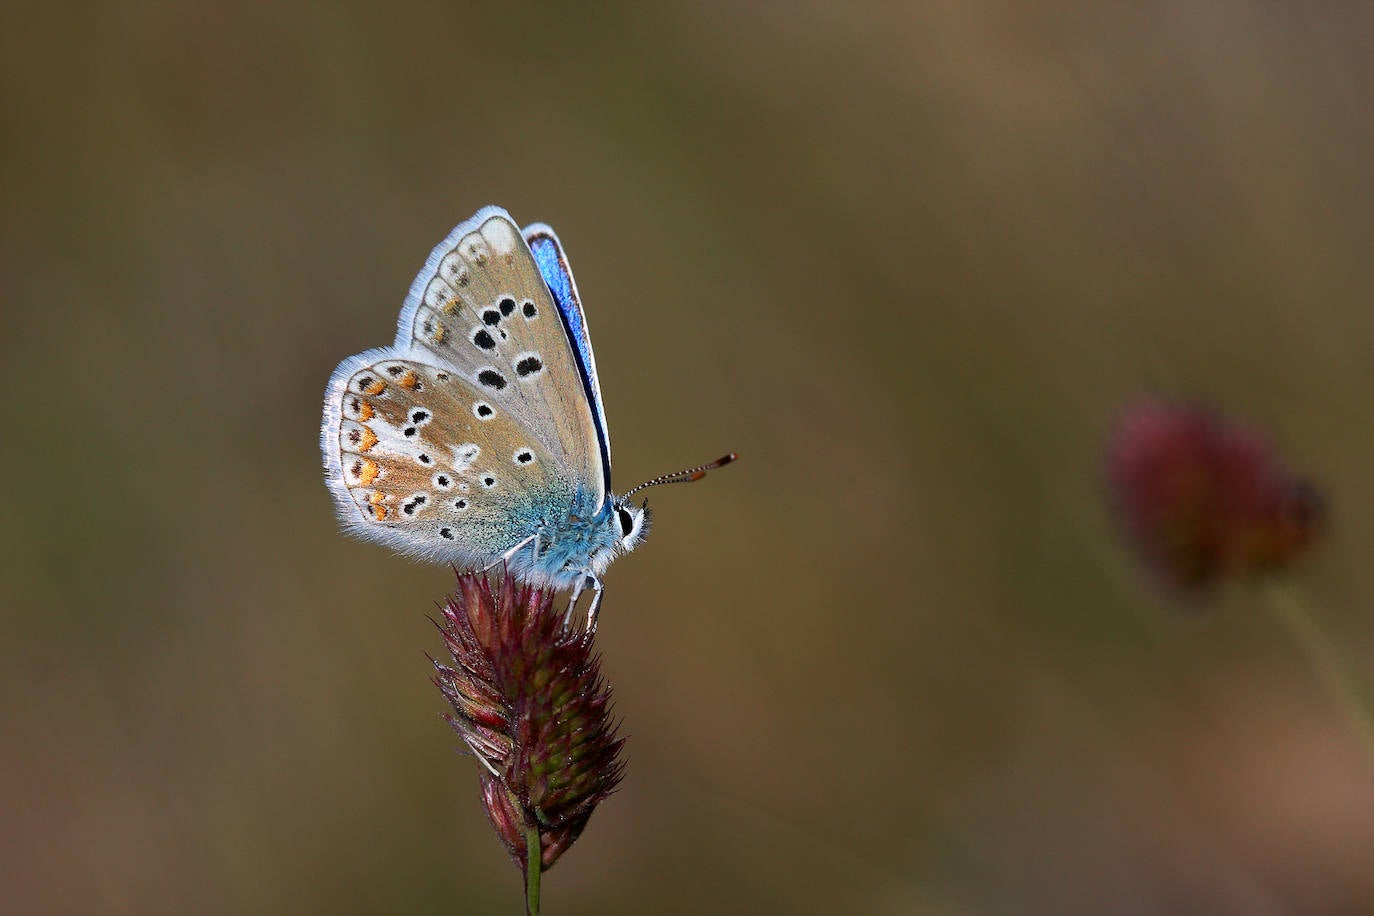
(627, 522)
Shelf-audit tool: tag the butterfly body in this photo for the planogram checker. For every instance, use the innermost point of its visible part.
(479, 436)
(570, 546)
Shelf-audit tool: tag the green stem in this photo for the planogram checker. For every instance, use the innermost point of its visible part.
(534, 851)
(1345, 688)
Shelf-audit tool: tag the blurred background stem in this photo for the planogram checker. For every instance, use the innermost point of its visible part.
(1344, 684)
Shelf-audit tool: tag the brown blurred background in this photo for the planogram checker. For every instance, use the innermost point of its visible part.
(907, 259)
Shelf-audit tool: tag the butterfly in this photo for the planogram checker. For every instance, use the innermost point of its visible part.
(479, 437)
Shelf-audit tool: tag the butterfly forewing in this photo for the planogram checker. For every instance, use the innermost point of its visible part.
(436, 467)
(482, 308)
(553, 267)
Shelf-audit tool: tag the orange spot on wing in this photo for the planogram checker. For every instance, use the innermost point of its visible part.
(379, 512)
(440, 332)
(451, 307)
(376, 387)
(365, 412)
(370, 472)
(369, 440)
(409, 380)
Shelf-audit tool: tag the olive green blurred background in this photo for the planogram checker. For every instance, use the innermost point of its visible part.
(907, 259)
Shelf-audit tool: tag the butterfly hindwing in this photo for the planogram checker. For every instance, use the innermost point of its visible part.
(482, 308)
(424, 461)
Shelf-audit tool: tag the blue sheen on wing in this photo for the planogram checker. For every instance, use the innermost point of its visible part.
(553, 266)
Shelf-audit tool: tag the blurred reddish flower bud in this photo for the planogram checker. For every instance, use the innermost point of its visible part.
(529, 702)
(1200, 499)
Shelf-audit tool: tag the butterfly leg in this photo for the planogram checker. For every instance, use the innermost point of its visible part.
(572, 600)
(598, 590)
(582, 583)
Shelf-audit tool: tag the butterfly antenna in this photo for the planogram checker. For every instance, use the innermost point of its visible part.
(688, 475)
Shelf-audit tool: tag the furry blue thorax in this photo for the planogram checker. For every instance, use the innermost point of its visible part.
(572, 543)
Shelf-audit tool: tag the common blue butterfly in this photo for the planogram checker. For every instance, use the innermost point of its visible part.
(479, 436)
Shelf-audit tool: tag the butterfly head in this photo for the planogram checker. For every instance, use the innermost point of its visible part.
(633, 523)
